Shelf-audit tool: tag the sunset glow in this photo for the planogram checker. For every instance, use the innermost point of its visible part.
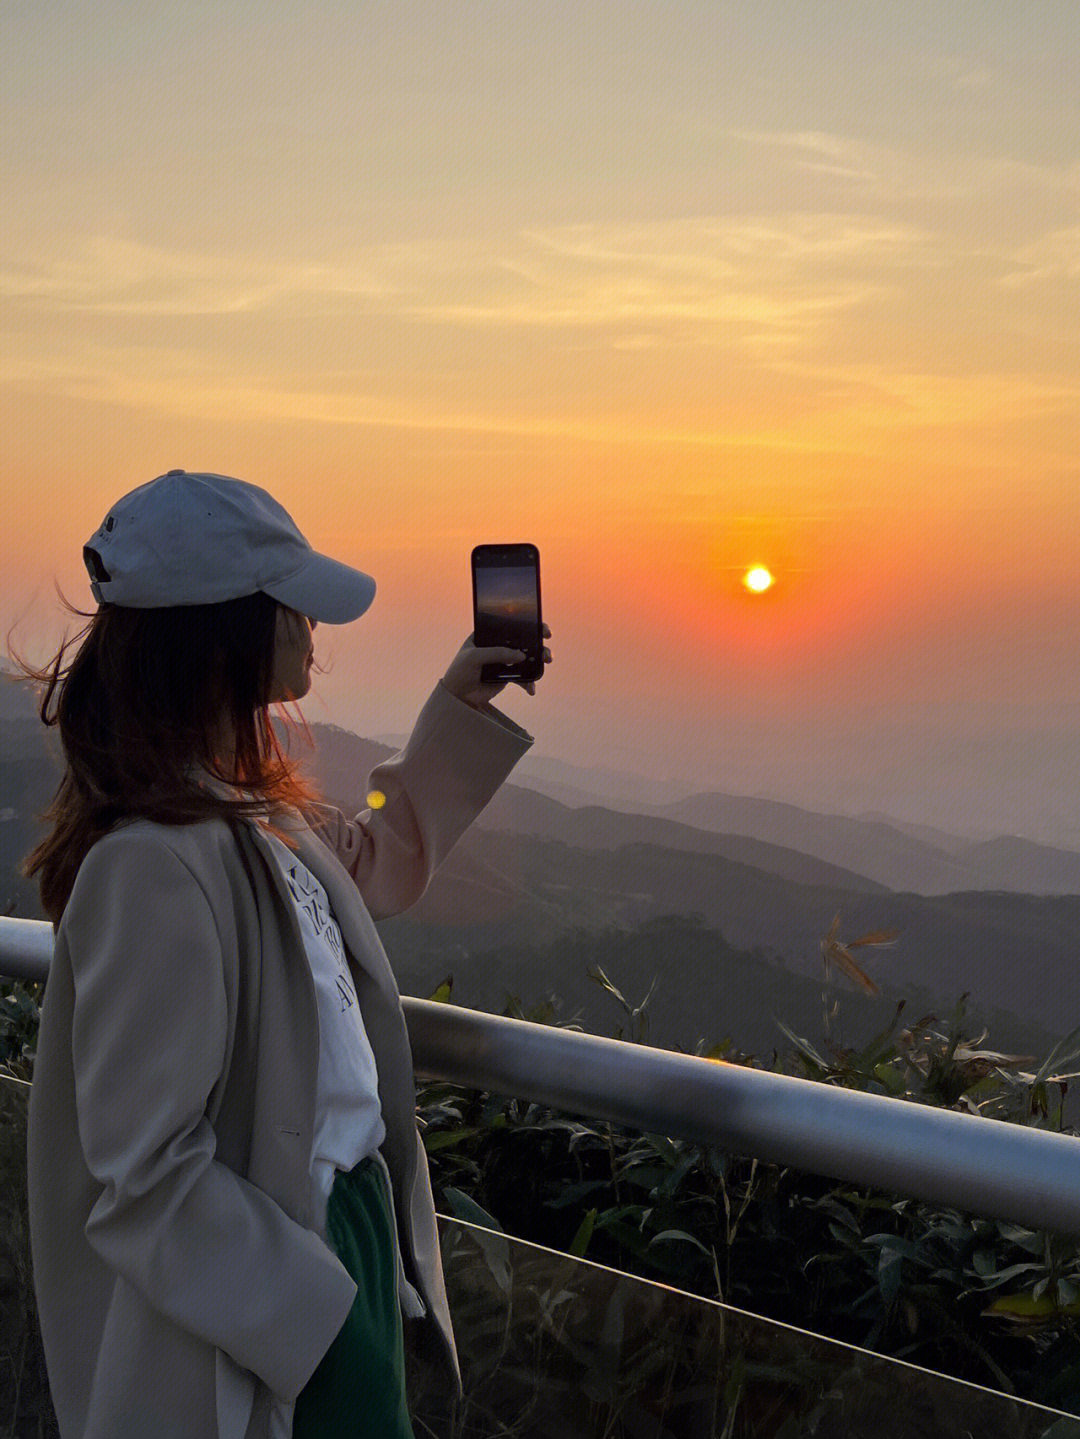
(763, 280)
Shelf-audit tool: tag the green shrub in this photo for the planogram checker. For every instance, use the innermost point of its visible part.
(978, 1299)
(985, 1301)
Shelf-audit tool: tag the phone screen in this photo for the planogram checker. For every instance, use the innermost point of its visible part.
(507, 605)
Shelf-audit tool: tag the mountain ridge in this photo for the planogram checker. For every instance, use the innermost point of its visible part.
(530, 866)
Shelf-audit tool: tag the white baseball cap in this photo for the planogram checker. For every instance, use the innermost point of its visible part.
(186, 539)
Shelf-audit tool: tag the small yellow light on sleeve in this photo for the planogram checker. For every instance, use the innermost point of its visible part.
(376, 799)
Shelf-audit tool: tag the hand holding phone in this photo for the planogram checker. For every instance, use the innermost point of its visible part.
(506, 609)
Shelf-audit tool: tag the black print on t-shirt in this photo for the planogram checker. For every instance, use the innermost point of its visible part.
(309, 898)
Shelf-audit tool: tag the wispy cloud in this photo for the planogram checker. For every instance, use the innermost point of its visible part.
(1053, 256)
(695, 281)
(690, 278)
(960, 73)
(871, 402)
(190, 385)
(110, 275)
(934, 173)
(798, 302)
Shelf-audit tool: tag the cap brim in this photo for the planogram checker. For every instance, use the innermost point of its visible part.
(325, 589)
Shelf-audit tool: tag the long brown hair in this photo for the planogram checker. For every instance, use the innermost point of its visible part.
(141, 699)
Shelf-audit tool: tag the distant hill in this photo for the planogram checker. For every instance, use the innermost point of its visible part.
(1015, 952)
(891, 854)
(340, 763)
(579, 785)
(1019, 864)
(593, 827)
(30, 769)
(880, 851)
(866, 851)
(533, 871)
(937, 838)
(17, 699)
(706, 989)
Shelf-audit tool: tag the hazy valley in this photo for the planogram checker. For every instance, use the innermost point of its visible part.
(723, 898)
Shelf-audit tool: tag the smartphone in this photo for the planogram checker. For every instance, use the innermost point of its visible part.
(506, 609)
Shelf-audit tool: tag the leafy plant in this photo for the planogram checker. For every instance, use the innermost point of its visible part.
(963, 1295)
(985, 1301)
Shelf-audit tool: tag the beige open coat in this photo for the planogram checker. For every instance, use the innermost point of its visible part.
(171, 1118)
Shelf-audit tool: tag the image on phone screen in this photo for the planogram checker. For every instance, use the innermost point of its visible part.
(506, 605)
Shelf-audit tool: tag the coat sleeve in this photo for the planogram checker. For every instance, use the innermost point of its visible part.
(203, 1246)
(432, 790)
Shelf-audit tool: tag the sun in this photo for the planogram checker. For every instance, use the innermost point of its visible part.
(758, 580)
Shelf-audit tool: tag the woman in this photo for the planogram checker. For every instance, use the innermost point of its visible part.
(230, 1206)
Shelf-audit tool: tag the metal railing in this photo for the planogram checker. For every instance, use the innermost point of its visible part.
(982, 1166)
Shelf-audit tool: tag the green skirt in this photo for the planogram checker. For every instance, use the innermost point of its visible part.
(358, 1390)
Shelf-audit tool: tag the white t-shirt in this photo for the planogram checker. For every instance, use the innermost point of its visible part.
(348, 1114)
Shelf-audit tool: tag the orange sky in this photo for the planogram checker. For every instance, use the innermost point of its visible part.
(666, 289)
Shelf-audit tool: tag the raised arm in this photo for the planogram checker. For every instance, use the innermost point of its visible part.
(456, 758)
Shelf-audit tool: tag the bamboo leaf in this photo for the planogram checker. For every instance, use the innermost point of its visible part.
(596, 974)
(804, 1046)
(679, 1234)
(466, 1208)
(839, 955)
(1026, 1306)
(882, 937)
(1060, 1054)
(580, 1241)
(447, 1138)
